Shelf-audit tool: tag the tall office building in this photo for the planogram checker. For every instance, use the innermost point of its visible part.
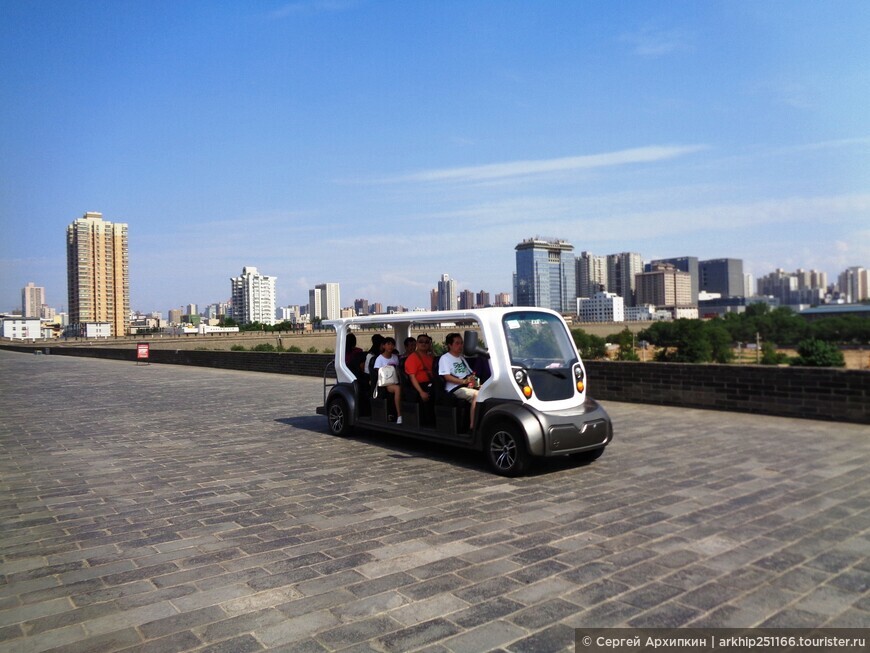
(253, 297)
(591, 274)
(448, 299)
(32, 299)
(621, 272)
(315, 304)
(482, 299)
(664, 286)
(546, 275)
(330, 301)
(686, 264)
(98, 277)
(466, 300)
(361, 306)
(721, 275)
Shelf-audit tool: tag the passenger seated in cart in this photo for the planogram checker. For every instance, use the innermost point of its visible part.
(389, 358)
(459, 380)
(410, 347)
(354, 356)
(418, 367)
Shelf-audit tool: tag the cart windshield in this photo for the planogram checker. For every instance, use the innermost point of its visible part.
(538, 341)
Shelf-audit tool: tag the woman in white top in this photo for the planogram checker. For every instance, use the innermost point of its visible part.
(389, 357)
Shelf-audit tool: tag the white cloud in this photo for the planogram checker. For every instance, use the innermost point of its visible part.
(653, 42)
(514, 169)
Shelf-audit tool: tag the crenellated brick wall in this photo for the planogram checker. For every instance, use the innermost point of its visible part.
(817, 393)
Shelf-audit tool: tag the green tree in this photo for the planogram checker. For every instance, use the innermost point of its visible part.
(625, 340)
(721, 342)
(681, 341)
(817, 353)
(784, 326)
(844, 329)
(770, 356)
(589, 346)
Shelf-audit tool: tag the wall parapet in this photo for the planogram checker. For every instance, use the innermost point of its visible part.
(805, 392)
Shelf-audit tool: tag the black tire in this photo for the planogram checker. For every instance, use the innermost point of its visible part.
(338, 417)
(505, 450)
(589, 456)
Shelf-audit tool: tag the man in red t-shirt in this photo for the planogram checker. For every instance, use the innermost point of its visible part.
(418, 367)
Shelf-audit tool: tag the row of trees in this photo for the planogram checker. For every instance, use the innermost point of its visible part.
(286, 325)
(704, 341)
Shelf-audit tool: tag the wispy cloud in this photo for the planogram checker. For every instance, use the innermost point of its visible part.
(653, 42)
(307, 7)
(514, 169)
(826, 145)
(795, 94)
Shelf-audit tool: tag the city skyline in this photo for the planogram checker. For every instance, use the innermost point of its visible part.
(379, 145)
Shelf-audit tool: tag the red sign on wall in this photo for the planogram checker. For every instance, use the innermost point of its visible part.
(142, 350)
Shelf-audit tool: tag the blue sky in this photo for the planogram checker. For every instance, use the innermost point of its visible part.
(381, 144)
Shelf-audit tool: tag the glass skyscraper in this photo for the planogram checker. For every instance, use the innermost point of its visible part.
(546, 275)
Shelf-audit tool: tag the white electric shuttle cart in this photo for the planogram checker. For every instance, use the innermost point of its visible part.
(532, 400)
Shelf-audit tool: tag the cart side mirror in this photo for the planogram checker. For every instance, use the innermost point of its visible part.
(472, 347)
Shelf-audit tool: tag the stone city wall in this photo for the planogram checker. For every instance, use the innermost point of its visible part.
(817, 393)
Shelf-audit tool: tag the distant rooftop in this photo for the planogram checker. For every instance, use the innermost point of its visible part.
(838, 309)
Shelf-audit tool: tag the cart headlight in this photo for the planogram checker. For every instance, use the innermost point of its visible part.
(522, 379)
(578, 378)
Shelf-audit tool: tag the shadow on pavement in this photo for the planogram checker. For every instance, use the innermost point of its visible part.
(413, 448)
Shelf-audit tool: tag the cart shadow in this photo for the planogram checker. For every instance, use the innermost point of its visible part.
(409, 448)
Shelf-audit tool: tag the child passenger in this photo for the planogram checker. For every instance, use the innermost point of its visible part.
(389, 357)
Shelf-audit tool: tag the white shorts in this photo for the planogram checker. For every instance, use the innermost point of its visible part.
(467, 394)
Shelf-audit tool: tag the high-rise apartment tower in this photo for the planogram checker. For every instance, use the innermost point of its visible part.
(448, 298)
(253, 297)
(591, 274)
(330, 301)
(98, 277)
(32, 299)
(621, 272)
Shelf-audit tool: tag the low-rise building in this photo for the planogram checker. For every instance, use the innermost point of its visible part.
(96, 329)
(601, 307)
(22, 328)
(646, 313)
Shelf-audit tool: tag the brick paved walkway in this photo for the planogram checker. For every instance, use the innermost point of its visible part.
(163, 508)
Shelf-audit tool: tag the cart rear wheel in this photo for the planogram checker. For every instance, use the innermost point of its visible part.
(338, 416)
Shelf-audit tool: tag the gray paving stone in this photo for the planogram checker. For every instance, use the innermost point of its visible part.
(487, 637)
(258, 529)
(367, 629)
(544, 614)
(417, 635)
(550, 640)
(487, 611)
